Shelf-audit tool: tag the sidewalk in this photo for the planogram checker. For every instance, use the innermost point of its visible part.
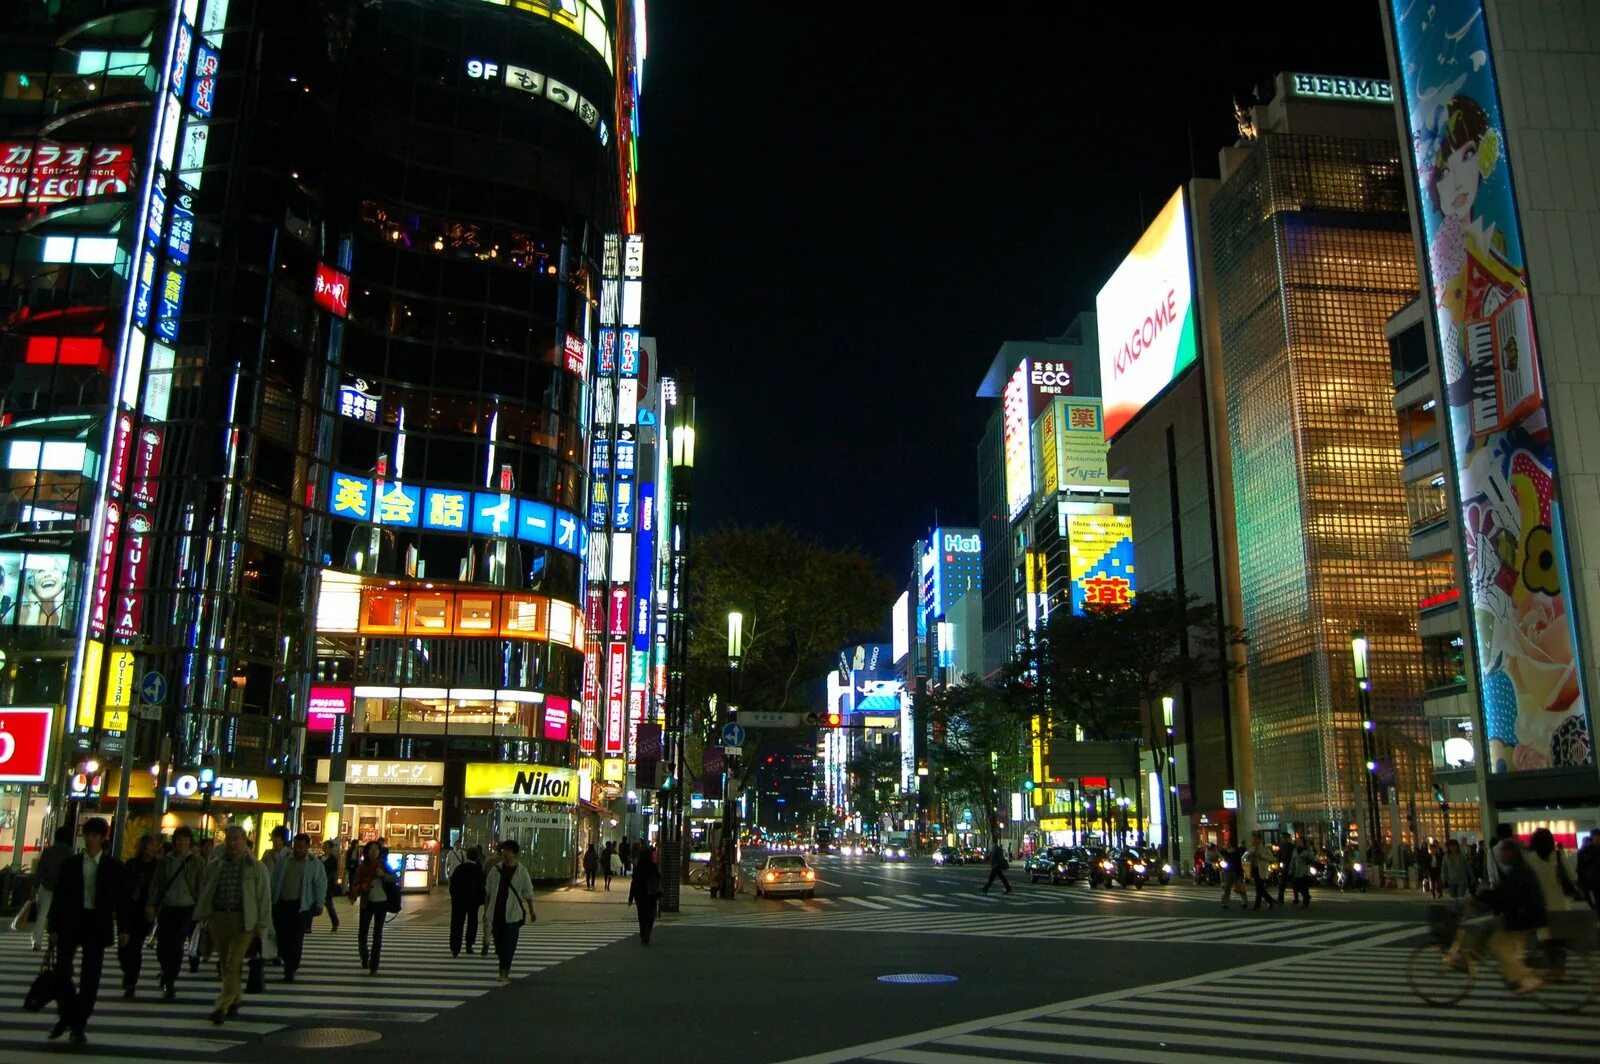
(569, 904)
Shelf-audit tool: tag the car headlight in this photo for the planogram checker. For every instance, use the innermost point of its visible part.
(1166, 869)
(1138, 868)
(1061, 868)
(1107, 865)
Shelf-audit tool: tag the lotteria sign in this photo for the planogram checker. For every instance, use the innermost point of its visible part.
(522, 783)
(1146, 318)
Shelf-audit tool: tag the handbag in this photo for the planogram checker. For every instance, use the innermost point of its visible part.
(391, 897)
(256, 977)
(45, 987)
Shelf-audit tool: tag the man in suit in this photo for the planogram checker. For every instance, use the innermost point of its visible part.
(83, 917)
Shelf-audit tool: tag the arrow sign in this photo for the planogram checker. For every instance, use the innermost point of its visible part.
(153, 688)
(732, 735)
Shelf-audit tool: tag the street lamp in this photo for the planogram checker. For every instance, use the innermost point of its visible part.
(730, 844)
(1358, 653)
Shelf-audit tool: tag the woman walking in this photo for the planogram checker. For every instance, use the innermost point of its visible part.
(172, 906)
(509, 894)
(1299, 871)
(374, 886)
(1455, 872)
(591, 865)
(610, 863)
(645, 890)
(134, 909)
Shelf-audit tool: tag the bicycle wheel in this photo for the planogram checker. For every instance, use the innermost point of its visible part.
(1570, 987)
(1433, 980)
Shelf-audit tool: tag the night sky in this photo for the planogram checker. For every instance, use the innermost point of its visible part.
(845, 214)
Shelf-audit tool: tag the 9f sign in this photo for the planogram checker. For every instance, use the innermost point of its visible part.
(482, 69)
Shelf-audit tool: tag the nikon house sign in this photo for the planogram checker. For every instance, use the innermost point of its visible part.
(522, 783)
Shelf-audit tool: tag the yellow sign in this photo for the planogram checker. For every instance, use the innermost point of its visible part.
(1049, 456)
(615, 770)
(522, 783)
(1055, 823)
(119, 693)
(185, 786)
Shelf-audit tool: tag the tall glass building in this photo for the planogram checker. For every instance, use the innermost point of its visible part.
(1313, 255)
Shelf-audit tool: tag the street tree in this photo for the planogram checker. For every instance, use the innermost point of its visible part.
(874, 780)
(977, 744)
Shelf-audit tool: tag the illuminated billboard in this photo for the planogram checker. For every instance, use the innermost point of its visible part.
(1100, 552)
(1146, 318)
(900, 625)
(1501, 448)
(1015, 446)
(1070, 447)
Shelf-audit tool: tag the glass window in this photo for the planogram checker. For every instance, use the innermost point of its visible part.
(429, 613)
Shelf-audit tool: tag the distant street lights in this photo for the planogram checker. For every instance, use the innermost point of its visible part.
(1358, 653)
(1172, 807)
(731, 762)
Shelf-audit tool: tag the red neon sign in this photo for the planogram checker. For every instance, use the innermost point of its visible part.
(332, 290)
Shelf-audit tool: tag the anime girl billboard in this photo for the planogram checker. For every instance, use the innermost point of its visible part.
(1529, 677)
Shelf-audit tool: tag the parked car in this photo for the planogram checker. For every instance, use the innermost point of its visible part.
(946, 855)
(1058, 864)
(786, 874)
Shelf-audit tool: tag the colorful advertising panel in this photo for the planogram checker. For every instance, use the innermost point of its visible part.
(34, 588)
(521, 783)
(1529, 675)
(25, 733)
(1015, 444)
(56, 173)
(1146, 318)
(1100, 552)
(1081, 444)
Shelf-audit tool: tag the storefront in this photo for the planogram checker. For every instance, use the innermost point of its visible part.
(534, 804)
(204, 802)
(399, 803)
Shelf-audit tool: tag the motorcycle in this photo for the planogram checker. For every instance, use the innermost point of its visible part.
(1208, 873)
(1133, 871)
(1353, 877)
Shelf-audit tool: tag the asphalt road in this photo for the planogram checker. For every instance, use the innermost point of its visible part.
(1047, 972)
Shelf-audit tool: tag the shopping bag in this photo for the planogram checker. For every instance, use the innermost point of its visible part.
(45, 987)
(24, 915)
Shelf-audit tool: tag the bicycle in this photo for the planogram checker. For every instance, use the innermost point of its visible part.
(1563, 965)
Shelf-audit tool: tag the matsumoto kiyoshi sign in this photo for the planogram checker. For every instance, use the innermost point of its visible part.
(1501, 449)
(1146, 318)
(523, 783)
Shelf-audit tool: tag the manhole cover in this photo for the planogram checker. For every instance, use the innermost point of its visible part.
(916, 977)
(323, 1037)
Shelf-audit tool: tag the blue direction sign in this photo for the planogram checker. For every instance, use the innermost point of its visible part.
(732, 735)
(153, 688)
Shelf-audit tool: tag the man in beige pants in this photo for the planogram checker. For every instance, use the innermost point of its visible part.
(236, 904)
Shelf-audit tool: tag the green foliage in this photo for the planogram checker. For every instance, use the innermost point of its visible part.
(874, 780)
(977, 746)
(1102, 670)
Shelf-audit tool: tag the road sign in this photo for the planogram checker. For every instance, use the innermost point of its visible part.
(153, 688)
(149, 712)
(966, 814)
(1230, 799)
(732, 735)
(733, 751)
(760, 718)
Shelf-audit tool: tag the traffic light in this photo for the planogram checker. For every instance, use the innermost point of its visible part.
(1028, 785)
(1438, 794)
(832, 720)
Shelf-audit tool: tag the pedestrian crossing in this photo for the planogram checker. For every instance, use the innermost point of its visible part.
(1021, 897)
(1284, 931)
(1348, 1004)
(417, 980)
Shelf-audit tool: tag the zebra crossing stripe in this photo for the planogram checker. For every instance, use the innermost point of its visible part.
(863, 902)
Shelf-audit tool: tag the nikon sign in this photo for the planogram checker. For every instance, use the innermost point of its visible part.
(522, 783)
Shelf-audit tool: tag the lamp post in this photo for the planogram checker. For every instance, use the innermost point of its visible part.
(679, 409)
(730, 760)
(1358, 653)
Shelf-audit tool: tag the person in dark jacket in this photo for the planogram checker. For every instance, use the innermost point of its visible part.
(591, 865)
(466, 897)
(1588, 870)
(997, 869)
(172, 905)
(645, 890)
(138, 888)
(46, 875)
(1519, 900)
(627, 851)
(83, 917)
(330, 868)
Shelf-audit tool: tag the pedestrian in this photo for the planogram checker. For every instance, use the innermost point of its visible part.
(1455, 872)
(83, 915)
(372, 885)
(1519, 901)
(466, 897)
(1285, 857)
(1232, 872)
(1588, 869)
(236, 905)
(1260, 859)
(1556, 880)
(453, 858)
(352, 861)
(172, 906)
(330, 872)
(509, 893)
(645, 891)
(1298, 870)
(133, 921)
(611, 862)
(626, 853)
(591, 865)
(279, 849)
(997, 869)
(299, 887)
(46, 875)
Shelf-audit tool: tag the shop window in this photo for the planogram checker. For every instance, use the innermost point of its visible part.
(429, 614)
(1444, 662)
(383, 611)
(476, 614)
(524, 616)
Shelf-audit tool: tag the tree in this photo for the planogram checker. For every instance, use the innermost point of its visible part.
(800, 601)
(874, 780)
(976, 745)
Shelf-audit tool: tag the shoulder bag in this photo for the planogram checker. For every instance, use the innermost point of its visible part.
(45, 987)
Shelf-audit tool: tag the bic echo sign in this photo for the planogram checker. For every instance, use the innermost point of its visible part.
(25, 743)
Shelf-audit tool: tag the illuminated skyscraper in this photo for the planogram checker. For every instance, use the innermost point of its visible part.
(1313, 255)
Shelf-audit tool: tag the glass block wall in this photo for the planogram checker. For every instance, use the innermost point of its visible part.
(1313, 254)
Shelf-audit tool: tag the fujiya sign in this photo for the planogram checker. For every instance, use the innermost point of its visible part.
(527, 783)
(1360, 90)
